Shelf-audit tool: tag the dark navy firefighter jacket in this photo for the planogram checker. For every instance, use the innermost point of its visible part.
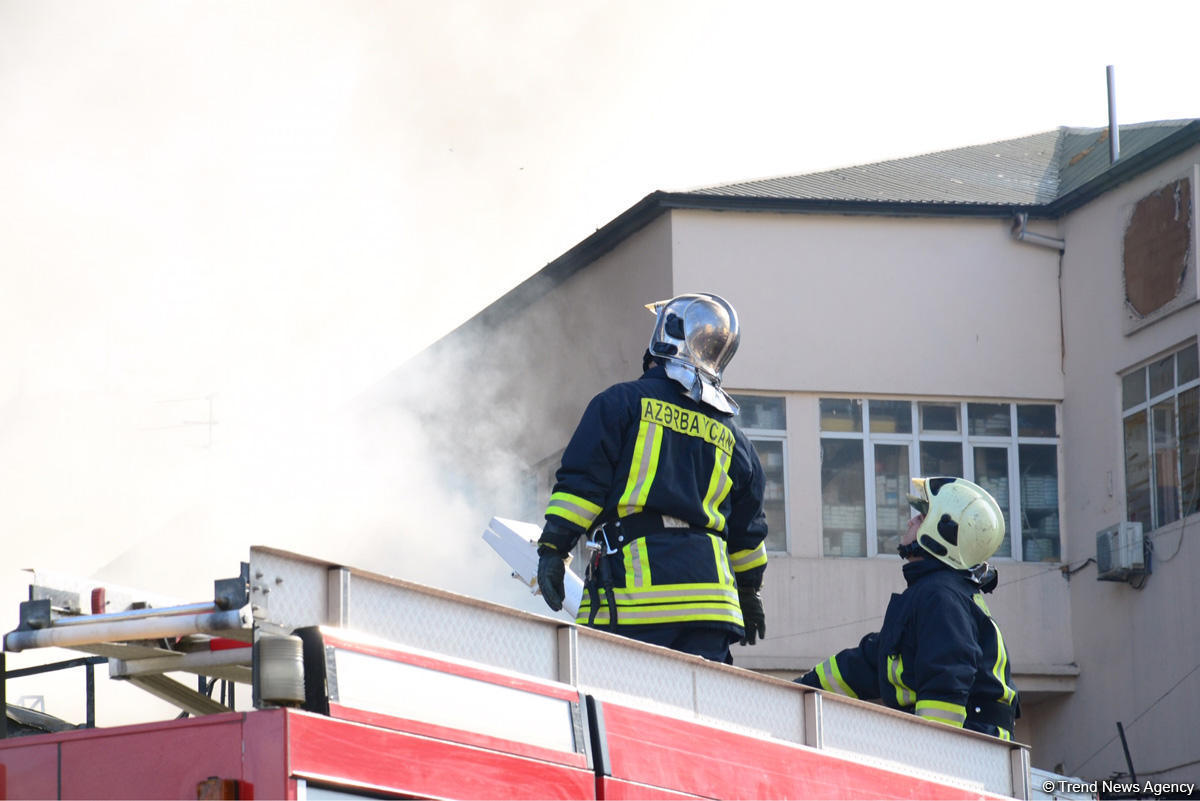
(672, 490)
(939, 654)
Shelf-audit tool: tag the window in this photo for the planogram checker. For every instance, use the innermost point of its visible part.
(870, 450)
(1161, 420)
(764, 421)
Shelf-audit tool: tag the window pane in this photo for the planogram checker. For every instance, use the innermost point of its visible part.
(1188, 369)
(841, 415)
(889, 417)
(941, 459)
(1189, 449)
(939, 417)
(1039, 502)
(761, 412)
(1162, 376)
(991, 473)
(1166, 463)
(770, 453)
(990, 419)
(1133, 389)
(892, 511)
(843, 498)
(1036, 420)
(1137, 471)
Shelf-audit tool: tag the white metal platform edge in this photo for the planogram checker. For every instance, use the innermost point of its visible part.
(289, 591)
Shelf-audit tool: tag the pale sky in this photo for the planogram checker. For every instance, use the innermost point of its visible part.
(261, 208)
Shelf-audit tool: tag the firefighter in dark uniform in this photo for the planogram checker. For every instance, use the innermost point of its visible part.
(939, 653)
(669, 492)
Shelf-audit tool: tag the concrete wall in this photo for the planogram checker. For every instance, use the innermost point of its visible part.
(855, 304)
(1135, 649)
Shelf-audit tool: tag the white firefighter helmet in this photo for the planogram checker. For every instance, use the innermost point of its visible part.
(963, 524)
(695, 337)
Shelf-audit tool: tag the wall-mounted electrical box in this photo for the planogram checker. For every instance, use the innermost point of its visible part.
(1121, 552)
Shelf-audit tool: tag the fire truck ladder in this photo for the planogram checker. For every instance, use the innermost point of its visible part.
(143, 642)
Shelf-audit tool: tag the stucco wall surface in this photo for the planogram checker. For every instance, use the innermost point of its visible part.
(891, 305)
(1138, 651)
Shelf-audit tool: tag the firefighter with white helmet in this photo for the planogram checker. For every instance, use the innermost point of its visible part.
(669, 493)
(939, 653)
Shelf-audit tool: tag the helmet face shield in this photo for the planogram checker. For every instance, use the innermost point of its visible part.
(917, 498)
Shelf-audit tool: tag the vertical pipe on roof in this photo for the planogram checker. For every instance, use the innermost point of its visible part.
(1114, 135)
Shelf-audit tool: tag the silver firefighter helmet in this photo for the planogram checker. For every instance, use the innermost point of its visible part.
(695, 337)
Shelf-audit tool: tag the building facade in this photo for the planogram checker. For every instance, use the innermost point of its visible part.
(1020, 313)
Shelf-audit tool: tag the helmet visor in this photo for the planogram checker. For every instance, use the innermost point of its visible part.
(918, 497)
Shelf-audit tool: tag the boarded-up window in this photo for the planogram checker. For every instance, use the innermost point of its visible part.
(1157, 247)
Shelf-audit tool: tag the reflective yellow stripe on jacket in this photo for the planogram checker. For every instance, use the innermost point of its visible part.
(642, 470)
(942, 712)
(905, 696)
(641, 601)
(741, 561)
(719, 484)
(1008, 694)
(577, 510)
(668, 604)
(831, 678)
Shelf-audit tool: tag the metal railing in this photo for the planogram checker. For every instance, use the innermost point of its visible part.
(88, 663)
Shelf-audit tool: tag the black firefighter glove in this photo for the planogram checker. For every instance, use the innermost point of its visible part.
(753, 617)
(552, 568)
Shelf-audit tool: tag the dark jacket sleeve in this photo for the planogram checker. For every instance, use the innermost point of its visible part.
(853, 672)
(947, 656)
(746, 527)
(587, 472)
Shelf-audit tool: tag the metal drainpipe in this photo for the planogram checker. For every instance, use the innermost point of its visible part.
(1019, 233)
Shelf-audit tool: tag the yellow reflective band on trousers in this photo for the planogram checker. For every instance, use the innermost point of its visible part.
(905, 696)
(719, 485)
(741, 561)
(579, 511)
(643, 468)
(942, 712)
(831, 678)
(1007, 694)
(1004, 734)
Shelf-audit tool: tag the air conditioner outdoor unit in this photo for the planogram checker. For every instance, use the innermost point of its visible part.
(1120, 552)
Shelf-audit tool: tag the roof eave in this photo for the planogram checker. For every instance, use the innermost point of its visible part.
(877, 208)
(603, 240)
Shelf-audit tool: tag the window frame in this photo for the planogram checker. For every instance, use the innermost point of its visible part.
(1146, 407)
(779, 435)
(967, 442)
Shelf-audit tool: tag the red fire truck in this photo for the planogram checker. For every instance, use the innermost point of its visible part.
(363, 686)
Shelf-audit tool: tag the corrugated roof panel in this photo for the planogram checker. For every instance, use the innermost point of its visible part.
(1085, 151)
(1014, 172)
(1029, 171)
